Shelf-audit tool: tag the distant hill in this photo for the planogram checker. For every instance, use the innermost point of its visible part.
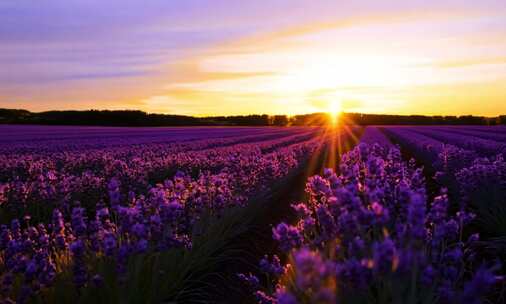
(139, 118)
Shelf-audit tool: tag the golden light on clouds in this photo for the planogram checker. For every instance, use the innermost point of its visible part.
(371, 65)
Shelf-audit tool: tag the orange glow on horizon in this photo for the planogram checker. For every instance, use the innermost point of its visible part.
(334, 111)
(329, 69)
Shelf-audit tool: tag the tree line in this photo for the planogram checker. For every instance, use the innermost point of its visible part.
(140, 118)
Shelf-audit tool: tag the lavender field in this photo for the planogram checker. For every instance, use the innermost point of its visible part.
(346, 214)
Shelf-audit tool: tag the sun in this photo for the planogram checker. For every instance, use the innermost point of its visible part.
(334, 110)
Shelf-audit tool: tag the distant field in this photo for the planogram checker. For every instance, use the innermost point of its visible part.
(138, 215)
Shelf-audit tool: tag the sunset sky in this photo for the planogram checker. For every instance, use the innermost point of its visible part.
(242, 57)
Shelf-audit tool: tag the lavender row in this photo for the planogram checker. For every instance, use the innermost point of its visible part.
(372, 135)
(17, 165)
(484, 147)
(21, 168)
(441, 156)
(483, 133)
(476, 182)
(38, 185)
(37, 133)
(16, 142)
(470, 177)
(369, 235)
(492, 129)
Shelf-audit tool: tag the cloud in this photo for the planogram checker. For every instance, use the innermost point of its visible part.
(198, 57)
(471, 62)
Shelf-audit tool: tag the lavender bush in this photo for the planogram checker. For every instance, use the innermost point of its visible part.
(474, 182)
(369, 235)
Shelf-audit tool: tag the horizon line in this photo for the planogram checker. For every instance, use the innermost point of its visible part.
(250, 114)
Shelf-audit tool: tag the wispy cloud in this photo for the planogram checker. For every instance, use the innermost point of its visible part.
(472, 62)
(225, 57)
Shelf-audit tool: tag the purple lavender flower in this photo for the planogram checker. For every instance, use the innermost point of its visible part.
(79, 267)
(482, 281)
(285, 297)
(310, 269)
(385, 257)
(288, 236)
(272, 267)
(263, 298)
(79, 221)
(114, 192)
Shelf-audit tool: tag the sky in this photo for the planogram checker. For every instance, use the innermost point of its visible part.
(253, 57)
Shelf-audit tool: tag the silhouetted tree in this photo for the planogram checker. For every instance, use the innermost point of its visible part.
(139, 118)
(280, 120)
